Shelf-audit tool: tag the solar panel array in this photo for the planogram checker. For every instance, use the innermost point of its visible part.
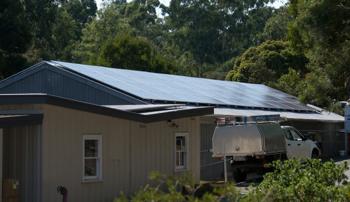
(181, 89)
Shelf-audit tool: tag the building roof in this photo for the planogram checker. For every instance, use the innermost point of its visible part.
(322, 116)
(157, 113)
(165, 88)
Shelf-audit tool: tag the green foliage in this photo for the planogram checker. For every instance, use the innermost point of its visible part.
(310, 180)
(290, 83)
(81, 10)
(290, 181)
(130, 52)
(214, 31)
(320, 30)
(180, 189)
(137, 18)
(302, 48)
(15, 35)
(276, 27)
(266, 63)
(316, 88)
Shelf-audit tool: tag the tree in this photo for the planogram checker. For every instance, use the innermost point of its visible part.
(266, 63)
(16, 36)
(136, 18)
(320, 30)
(126, 51)
(61, 45)
(276, 27)
(81, 10)
(291, 83)
(214, 31)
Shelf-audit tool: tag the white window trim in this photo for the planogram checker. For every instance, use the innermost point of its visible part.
(99, 156)
(187, 142)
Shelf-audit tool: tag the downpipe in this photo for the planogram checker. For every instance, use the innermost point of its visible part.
(64, 192)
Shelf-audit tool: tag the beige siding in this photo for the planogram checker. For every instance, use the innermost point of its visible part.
(130, 151)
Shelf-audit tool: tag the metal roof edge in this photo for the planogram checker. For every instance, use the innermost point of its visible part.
(20, 75)
(61, 66)
(40, 98)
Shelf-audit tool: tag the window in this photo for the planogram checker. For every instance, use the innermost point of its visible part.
(92, 159)
(296, 136)
(181, 151)
(289, 136)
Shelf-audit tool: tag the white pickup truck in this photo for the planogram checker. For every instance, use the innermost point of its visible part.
(252, 145)
(298, 146)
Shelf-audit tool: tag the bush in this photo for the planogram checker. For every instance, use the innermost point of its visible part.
(181, 189)
(310, 180)
(292, 180)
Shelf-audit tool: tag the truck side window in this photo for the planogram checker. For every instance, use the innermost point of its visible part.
(288, 135)
(295, 135)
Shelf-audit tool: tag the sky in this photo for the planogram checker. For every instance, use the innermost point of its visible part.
(277, 4)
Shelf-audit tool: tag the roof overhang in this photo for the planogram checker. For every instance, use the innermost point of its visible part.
(158, 114)
(9, 120)
(321, 116)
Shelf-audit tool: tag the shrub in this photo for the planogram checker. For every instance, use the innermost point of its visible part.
(310, 180)
(181, 189)
(292, 180)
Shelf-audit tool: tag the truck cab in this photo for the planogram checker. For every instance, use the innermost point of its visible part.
(298, 146)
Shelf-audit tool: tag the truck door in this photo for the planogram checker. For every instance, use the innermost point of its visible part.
(292, 148)
(302, 146)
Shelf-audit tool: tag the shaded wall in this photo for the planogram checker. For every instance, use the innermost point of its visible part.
(21, 160)
(211, 169)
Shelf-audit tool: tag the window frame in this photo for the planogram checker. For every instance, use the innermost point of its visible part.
(185, 166)
(98, 176)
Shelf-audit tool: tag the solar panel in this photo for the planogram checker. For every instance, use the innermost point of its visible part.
(182, 89)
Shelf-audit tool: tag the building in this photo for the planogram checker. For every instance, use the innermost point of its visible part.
(175, 100)
(94, 151)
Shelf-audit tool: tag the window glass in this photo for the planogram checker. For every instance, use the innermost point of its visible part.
(295, 135)
(288, 135)
(180, 152)
(92, 157)
(91, 148)
(90, 167)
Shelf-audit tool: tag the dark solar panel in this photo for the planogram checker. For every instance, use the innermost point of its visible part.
(173, 88)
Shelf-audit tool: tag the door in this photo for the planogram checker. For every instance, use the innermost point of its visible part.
(300, 147)
(292, 147)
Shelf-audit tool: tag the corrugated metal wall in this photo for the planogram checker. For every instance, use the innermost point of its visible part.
(130, 151)
(22, 160)
(60, 83)
(211, 169)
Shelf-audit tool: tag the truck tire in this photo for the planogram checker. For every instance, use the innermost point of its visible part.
(239, 175)
(315, 154)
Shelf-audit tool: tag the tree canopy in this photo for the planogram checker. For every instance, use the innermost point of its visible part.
(317, 31)
(301, 48)
(266, 63)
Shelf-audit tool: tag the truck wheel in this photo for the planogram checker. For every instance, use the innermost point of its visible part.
(239, 175)
(315, 154)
